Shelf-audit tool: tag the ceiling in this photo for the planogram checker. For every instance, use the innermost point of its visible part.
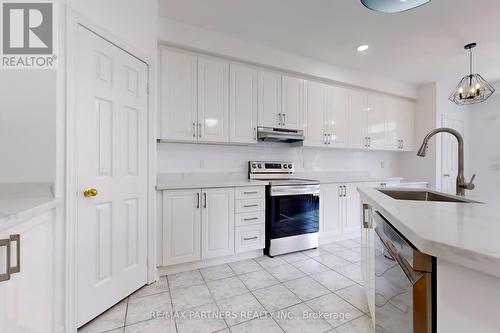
(417, 46)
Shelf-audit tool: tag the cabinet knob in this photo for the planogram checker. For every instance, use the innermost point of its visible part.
(90, 192)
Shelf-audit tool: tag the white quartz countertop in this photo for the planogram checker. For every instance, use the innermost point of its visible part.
(19, 202)
(187, 181)
(466, 234)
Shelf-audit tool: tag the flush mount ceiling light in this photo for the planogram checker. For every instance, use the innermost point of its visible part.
(393, 6)
(472, 88)
(362, 48)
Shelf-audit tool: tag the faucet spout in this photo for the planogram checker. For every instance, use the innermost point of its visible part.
(462, 185)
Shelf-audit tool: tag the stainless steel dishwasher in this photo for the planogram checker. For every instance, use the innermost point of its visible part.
(404, 283)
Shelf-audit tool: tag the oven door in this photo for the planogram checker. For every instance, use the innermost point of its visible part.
(293, 210)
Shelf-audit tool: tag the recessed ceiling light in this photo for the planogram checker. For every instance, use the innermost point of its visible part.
(363, 48)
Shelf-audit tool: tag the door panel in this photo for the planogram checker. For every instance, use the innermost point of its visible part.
(178, 95)
(269, 99)
(315, 94)
(449, 155)
(213, 100)
(243, 104)
(293, 102)
(217, 223)
(358, 119)
(352, 220)
(111, 118)
(392, 123)
(376, 122)
(407, 133)
(330, 209)
(338, 116)
(181, 226)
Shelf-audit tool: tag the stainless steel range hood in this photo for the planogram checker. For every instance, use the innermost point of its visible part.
(270, 134)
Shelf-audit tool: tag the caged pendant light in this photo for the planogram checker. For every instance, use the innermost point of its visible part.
(472, 89)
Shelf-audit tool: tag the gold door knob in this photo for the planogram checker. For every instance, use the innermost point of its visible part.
(90, 192)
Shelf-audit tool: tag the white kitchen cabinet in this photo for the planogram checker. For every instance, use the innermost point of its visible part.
(337, 116)
(340, 209)
(292, 103)
(178, 95)
(269, 104)
(27, 299)
(351, 208)
(375, 122)
(327, 115)
(400, 119)
(243, 98)
(213, 100)
(181, 226)
(315, 108)
(217, 235)
(358, 130)
(330, 210)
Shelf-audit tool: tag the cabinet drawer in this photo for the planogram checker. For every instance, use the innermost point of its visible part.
(250, 205)
(251, 237)
(250, 218)
(253, 192)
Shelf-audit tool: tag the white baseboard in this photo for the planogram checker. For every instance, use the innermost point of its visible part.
(208, 262)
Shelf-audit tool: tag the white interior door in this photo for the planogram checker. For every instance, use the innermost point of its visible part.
(111, 126)
(449, 155)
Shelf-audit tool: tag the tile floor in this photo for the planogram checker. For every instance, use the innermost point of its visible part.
(311, 291)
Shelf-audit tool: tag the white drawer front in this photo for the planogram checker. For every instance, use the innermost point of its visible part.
(253, 192)
(250, 218)
(250, 205)
(249, 238)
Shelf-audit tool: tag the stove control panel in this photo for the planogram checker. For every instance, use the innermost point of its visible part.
(270, 167)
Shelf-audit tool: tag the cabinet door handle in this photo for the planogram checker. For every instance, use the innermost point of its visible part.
(324, 138)
(345, 191)
(250, 238)
(6, 243)
(255, 133)
(251, 192)
(194, 130)
(279, 119)
(369, 142)
(17, 240)
(199, 130)
(204, 200)
(402, 144)
(340, 191)
(252, 205)
(284, 119)
(250, 218)
(197, 200)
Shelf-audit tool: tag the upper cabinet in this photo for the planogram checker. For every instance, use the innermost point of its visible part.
(178, 95)
(213, 100)
(269, 99)
(400, 119)
(292, 103)
(243, 104)
(326, 115)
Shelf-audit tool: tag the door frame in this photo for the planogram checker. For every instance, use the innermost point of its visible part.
(68, 90)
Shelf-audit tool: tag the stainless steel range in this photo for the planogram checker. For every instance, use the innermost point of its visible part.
(292, 208)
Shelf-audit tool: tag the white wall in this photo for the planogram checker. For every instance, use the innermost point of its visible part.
(195, 159)
(134, 22)
(195, 38)
(483, 127)
(27, 126)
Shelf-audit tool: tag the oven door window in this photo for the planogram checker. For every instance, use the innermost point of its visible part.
(293, 215)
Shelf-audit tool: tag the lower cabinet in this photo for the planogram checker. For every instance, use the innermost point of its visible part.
(208, 223)
(27, 294)
(217, 223)
(339, 209)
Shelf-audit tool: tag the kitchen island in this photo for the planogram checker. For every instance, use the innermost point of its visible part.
(464, 239)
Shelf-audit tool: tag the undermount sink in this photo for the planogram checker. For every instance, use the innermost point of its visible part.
(422, 196)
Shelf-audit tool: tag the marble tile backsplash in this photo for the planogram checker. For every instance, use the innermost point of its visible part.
(181, 158)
